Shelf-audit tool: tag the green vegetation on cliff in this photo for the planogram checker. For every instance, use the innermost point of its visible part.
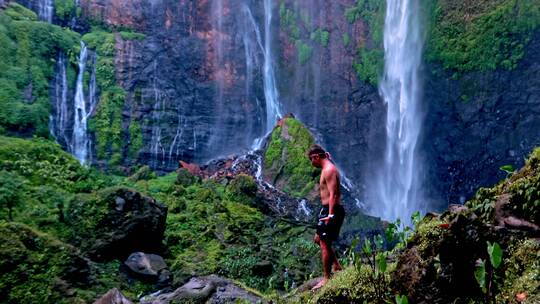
(218, 228)
(27, 55)
(370, 61)
(481, 35)
(65, 10)
(111, 137)
(298, 27)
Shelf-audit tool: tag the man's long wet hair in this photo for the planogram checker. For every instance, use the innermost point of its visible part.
(318, 150)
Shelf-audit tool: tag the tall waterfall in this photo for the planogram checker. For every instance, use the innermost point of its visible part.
(397, 191)
(273, 107)
(59, 121)
(45, 10)
(80, 142)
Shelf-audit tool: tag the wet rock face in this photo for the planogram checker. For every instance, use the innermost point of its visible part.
(187, 80)
(196, 80)
(479, 123)
(325, 92)
(195, 85)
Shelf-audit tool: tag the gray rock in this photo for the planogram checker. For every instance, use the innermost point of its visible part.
(209, 289)
(113, 296)
(147, 265)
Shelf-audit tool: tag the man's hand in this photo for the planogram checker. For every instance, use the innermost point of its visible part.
(325, 219)
(316, 239)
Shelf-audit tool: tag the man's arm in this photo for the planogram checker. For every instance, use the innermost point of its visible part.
(331, 179)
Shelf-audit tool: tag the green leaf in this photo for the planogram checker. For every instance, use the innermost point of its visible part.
(379, 241)
(495, 254)
(381, 262)
(366, 248)
(480, 274)
(390, 232)
(402, 299)
(354, 243)
(416, 217)
(508, 169)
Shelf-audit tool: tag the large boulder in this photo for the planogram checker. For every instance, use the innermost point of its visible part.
(209, 289)
(113, 296)
(116, 222)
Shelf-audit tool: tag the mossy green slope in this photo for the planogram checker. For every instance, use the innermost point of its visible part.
(36, 268)
(47, 179)
(216, 227)
(212, 226)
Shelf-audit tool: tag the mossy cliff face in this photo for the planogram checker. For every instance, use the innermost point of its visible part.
(485, 58)
(27, 61)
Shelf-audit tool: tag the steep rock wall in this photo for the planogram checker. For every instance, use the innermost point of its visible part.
(194, 86)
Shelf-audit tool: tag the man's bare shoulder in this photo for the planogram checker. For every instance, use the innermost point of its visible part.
(330, 171)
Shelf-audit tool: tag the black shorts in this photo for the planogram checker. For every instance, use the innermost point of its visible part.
(330, 232)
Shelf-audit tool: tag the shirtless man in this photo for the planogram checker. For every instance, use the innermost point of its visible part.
(332, 212)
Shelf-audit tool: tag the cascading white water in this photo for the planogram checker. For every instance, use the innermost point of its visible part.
(273, 107)
(174, 148)
(45, 10)
(80, 141)
(156, 146)
(217, 13)
(59, 121)
(92, 102)
(397, 190)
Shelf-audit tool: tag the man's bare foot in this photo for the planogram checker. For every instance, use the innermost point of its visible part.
(320, 284)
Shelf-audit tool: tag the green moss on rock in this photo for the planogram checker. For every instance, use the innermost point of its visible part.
(522, 273)
(35, 268)
(369, 63)
(115, 222)
(483, 35)
(285, 162)
(107, 121)
(518, 195)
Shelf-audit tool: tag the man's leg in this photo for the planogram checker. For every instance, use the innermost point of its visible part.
(327, 261)
(335, 265)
